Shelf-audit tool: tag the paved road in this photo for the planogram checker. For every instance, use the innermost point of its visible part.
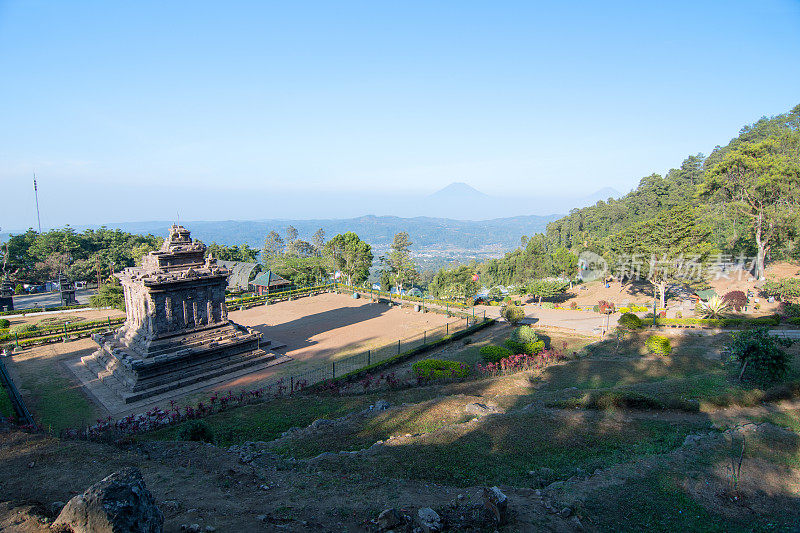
(49, 299)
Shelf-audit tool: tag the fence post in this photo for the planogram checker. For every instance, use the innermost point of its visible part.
(425, 337)
(447, 328)
(333, 369)
(369, 357)
(398, 346)
(291, 385)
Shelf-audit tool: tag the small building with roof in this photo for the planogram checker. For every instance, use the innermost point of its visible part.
(241, 274)
(268, 282)
(704, 295)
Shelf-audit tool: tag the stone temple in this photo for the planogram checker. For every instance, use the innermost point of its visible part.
(177, 332)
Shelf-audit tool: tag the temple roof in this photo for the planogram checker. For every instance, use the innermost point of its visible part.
(178, 259)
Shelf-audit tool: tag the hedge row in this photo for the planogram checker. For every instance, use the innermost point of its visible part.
(78, 326)
(37, 341)
(43, 309)
(257, 299)
(717, 322)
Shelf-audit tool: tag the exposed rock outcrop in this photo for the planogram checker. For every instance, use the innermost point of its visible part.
(116, 504)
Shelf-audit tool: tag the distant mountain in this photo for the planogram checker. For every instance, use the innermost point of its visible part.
(458, 191)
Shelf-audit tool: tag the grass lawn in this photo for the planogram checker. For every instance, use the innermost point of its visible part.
(424, 417)
(655, 503)
(266, 421)
(503, 449)
(689, 495)
(6, 407)
(56, 401)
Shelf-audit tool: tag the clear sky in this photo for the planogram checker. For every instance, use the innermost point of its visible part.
(243, 103)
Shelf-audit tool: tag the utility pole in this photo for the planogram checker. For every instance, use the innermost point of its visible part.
(36, 195)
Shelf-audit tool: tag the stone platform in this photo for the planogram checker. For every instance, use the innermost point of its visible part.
(175, 362)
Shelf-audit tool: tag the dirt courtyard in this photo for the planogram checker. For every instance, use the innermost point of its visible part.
(329, 327)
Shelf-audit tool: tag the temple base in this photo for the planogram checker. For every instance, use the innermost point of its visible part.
(134, 371)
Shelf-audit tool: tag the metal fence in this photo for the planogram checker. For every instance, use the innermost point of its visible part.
(314, 373)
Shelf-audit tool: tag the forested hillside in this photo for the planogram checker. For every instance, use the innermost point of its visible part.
(743, 197)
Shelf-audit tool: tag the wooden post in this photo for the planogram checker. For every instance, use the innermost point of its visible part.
(398, 346)
(333, 369)
(369, 357)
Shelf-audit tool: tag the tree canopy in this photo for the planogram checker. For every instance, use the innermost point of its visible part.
(351, 256)
(37, 257)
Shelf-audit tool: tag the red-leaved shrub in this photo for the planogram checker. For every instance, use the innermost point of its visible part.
(735, 299)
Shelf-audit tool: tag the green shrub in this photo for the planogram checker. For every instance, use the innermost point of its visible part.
(784, 289)
(524, 334)
(19, 289)
(548, 305)
(794, 321)
(19, 329)
(524, 340)
(629, 321)
(513, 314)
(440, 369)
(492, 354)
(5, 323)
(790, 310)
(109, 296)
(659, 345)
(715, 307)
(760, 355)
(196, 430)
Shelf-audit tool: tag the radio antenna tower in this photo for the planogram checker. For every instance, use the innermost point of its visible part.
(36, 194)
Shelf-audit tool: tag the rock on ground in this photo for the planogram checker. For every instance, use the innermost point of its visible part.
(118, 503)
(496, 502)
(429, 520)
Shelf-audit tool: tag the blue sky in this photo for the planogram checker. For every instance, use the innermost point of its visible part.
(239, 104)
